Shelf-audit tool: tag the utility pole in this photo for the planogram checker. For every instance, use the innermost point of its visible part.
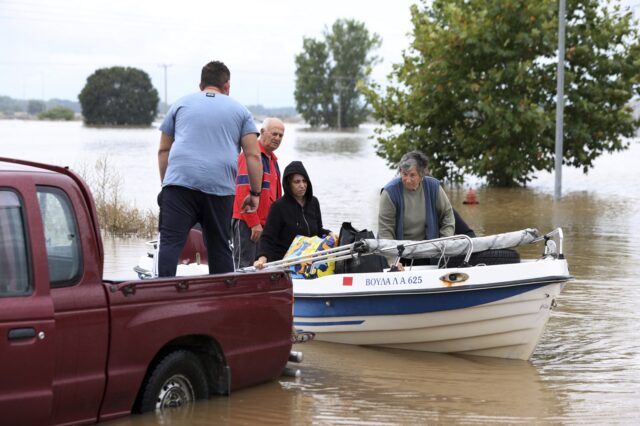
(44, 103)
(339, 84)
(560, 100)
(342, 84)
(166, 105)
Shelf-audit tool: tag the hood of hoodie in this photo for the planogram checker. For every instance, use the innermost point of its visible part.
(296, 167)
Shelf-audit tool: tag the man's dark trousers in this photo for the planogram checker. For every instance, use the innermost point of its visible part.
(180, 209)
(244, 250)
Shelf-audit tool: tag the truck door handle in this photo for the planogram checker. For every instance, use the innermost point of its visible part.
(22, 333)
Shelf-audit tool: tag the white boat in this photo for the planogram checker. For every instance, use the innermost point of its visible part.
(489, 310)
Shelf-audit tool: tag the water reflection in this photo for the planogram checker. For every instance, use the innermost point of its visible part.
(595, 227)
(355, 385)
(323, 143)
(121, 255)
(394, 386)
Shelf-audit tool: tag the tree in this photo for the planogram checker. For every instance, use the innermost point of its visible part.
(57, 113)
(476, 90)
(119, 96)
(328, 73)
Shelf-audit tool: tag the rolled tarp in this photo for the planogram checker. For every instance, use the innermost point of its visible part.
(453, 247)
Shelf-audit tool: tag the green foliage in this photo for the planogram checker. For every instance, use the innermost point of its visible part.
(57, 113)
(476, 90)
(329, 73)
(119, 96)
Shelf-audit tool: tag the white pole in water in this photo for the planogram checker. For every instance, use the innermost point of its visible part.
(560, 100)
(166, 105)
(339, 83)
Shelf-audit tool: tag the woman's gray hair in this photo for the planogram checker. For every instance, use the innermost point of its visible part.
(414, 159)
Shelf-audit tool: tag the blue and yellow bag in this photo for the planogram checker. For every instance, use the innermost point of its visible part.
(302, 245)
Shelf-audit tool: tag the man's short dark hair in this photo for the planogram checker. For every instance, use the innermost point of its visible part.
(215, 73)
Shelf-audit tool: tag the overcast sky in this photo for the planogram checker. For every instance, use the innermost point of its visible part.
(49, 48)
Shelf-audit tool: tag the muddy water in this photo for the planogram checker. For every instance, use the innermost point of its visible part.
(585, 370)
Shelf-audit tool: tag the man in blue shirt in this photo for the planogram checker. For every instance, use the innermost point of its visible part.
(199, 145)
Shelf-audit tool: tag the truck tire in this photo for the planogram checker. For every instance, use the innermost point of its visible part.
(177, 380)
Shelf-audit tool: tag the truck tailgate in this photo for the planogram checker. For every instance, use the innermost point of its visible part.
(248, 316)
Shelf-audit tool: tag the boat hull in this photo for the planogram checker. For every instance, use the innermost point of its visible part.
(488, 315)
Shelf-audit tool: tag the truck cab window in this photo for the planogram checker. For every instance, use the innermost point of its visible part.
(61, 237)
(14, 265)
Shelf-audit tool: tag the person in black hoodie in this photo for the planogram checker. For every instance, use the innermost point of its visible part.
(297, 212)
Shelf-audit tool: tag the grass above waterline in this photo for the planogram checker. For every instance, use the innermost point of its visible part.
(117, 216)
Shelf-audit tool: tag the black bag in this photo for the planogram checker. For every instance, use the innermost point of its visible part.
(369, 263)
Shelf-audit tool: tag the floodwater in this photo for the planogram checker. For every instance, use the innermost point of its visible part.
(585, 370)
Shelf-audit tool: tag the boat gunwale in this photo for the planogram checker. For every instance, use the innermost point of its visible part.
(553, 279)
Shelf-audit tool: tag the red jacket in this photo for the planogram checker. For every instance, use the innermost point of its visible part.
(271, 188)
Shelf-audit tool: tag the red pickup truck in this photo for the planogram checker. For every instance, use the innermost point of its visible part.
(75, 348)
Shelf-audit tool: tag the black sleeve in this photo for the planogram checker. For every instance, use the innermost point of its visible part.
(267, 245)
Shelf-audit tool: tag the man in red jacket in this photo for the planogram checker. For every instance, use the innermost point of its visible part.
(247, 227)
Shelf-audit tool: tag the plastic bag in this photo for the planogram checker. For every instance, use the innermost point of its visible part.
(302, 245)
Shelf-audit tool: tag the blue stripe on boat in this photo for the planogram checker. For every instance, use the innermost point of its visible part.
(328, 323)
(402, 304)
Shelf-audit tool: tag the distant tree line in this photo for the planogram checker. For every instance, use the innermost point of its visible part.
(11, 105)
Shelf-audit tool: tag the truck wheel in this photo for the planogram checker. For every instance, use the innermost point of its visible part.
(177, 380)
